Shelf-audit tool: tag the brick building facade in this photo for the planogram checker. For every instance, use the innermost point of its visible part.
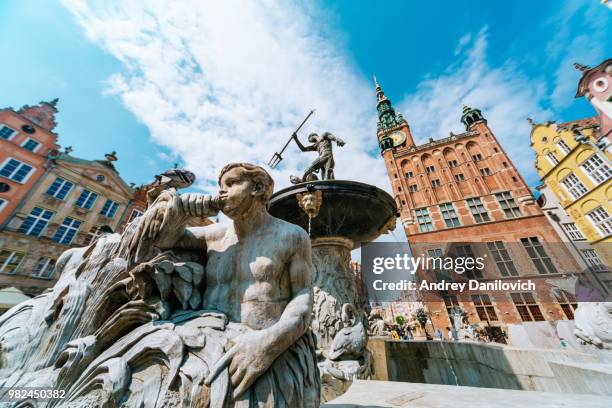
(463, 195)
(26, 141)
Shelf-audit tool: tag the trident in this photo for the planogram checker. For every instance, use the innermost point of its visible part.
(276, 157)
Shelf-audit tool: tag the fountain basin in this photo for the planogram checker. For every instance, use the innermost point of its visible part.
(349, 209)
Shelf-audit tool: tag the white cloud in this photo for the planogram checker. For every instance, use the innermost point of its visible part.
(505, 96)
(227, 81)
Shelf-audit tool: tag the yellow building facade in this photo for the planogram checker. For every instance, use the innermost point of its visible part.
(579, 174)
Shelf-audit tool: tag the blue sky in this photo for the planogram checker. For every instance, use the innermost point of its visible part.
(208, 83)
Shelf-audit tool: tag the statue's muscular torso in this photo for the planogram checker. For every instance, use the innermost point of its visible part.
(324, 147)
(246, 280)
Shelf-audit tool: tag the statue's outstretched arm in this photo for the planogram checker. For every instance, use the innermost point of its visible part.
(303, 148)
(163, 225)
(334, 138)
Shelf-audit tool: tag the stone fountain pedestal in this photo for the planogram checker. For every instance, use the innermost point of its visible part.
(334, 286)
(340, 216)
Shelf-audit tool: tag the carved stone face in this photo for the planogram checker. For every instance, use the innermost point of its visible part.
(310, 203)
(238, 192)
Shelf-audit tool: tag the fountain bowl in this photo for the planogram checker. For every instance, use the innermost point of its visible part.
(349, 209)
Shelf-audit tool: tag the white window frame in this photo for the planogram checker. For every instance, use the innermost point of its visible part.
(12, 136)
(26, 178)
(43, 273)
(132, 216)
(575, 187)
(92, 235)
(3, 203)
(37, 218)
(69, 227)
(61, 185)
(110, 207)
(599, 220)
(93, 203)
(10, 258)
(563, 146)
(593, 260)
(598, 173)
(39, 144)
(572, 231)
(552, 158)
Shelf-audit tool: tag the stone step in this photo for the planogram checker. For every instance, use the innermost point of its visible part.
(389, 394)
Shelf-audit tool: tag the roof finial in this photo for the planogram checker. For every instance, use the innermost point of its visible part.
(111, 157)
(581, 67)
(531, 122)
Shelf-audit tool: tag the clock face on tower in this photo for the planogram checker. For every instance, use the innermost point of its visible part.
(398, 137)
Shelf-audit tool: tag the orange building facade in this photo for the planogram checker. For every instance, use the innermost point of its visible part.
(462, 195)
(26, 141)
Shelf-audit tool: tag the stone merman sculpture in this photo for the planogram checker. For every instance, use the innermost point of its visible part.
(325, 162)
(165, 315)
(351, 340)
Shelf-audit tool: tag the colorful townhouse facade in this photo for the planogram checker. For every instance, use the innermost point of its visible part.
(75, 201)
(574, 160)
(54, 200)
(27, 139)
(578, 174)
